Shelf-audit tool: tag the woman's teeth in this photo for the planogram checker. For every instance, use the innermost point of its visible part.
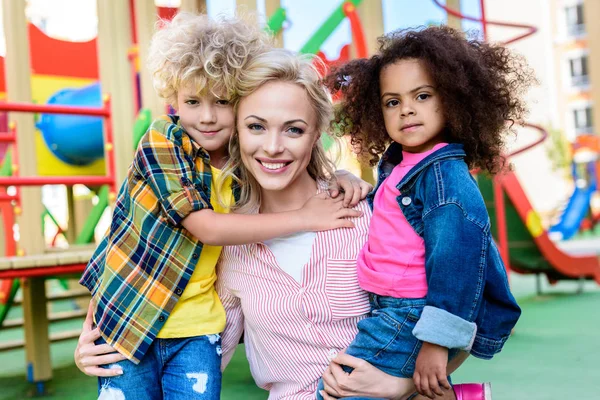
(273, 165)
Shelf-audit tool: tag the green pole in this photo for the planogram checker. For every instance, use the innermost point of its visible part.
(275, 23)
(318, 38)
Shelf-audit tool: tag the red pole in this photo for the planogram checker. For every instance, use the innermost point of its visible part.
(55, 180)
(109, 148)
(502, 231)
(42, 271)
(483, 20)
(52, 109)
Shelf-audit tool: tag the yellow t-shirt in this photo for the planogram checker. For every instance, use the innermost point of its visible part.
(199, 310)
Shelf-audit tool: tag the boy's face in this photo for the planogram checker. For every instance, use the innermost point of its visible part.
(208, 119)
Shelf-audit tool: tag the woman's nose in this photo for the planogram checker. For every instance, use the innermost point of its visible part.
(273, 143)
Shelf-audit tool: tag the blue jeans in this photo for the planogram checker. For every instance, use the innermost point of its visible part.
(186, 368)
(385, 338)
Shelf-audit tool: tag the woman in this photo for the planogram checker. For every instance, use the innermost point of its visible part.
(296, 299)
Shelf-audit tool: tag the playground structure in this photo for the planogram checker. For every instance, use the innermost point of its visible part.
(73, 148)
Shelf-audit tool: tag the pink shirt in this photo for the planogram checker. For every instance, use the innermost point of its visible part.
(392, 262)
(292, 329)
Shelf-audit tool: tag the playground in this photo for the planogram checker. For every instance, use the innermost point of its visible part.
(70, 123)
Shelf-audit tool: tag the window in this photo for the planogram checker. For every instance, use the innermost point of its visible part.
(583, 120)
(575, 25)
(578, 68)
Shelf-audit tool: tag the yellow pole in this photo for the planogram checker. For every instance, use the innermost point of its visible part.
(18, 88)
(452, 21)
(114, 41)
(591, 15)
(146, 17)
(246, 6)
(193, 6)
(371, 16)
(270, 7)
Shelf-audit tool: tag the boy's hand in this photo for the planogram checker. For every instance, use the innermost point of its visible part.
(321, 213)
(354, 188)
(430, 370)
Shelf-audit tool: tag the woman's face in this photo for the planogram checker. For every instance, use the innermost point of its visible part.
(277, 130)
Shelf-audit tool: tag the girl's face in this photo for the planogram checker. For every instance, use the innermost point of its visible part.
(412, 108)
(277, 132)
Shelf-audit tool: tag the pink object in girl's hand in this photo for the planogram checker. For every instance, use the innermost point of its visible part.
(473, 391)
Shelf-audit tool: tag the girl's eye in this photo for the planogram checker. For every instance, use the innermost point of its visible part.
(295, 130)
(392, 103)
(423, 96)
(191, 102)
(223, 102)
(255, 127)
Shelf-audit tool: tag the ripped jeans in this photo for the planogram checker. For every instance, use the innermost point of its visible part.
(186, 368)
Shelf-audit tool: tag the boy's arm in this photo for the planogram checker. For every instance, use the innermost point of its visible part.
(354, 188)
(168, 171)
(234, 327)
(319, 213)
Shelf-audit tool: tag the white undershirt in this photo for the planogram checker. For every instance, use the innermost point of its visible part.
(292, 252)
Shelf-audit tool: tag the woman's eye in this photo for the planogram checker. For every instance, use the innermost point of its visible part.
(423, 96)
(392, 103)
(223, 102)
(295, 130)
(255, 127)
(191, 102)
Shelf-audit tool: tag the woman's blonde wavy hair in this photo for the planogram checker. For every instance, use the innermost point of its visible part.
(285, 66)
(210, 54)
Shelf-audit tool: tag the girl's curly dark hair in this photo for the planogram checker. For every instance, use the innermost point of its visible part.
(481, 86)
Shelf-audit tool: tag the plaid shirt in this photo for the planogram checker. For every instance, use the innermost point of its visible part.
(145, 261)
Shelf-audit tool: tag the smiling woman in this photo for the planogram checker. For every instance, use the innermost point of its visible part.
(296, 299)
(280, 116)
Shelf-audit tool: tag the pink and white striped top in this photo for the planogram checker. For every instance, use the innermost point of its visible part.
(292, 330)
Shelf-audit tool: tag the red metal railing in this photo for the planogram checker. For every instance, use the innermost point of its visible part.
(104, 111)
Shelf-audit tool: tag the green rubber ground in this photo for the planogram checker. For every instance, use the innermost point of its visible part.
(553, 354)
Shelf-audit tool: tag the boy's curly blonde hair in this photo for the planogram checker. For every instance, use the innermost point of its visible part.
(207, 53)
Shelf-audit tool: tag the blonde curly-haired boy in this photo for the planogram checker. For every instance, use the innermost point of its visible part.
(152, 276)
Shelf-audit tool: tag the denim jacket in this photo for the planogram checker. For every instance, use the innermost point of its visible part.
(469, 303)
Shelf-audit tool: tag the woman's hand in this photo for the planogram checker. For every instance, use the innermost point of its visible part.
(359, 383)
(354, 188)
(89, 356)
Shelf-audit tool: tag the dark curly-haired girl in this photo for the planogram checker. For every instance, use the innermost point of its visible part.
(439, 102)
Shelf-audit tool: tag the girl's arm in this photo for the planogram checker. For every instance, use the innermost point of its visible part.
(319, 213)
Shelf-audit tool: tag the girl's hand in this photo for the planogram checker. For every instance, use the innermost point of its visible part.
(89, 356)
(430, 370)
(321, 213)
(359, 383)
(354, 188)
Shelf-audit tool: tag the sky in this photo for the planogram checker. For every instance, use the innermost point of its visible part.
(76, 19)
(305, 16)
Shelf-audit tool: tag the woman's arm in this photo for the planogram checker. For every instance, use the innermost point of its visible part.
(359, 383)
(89, 356)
